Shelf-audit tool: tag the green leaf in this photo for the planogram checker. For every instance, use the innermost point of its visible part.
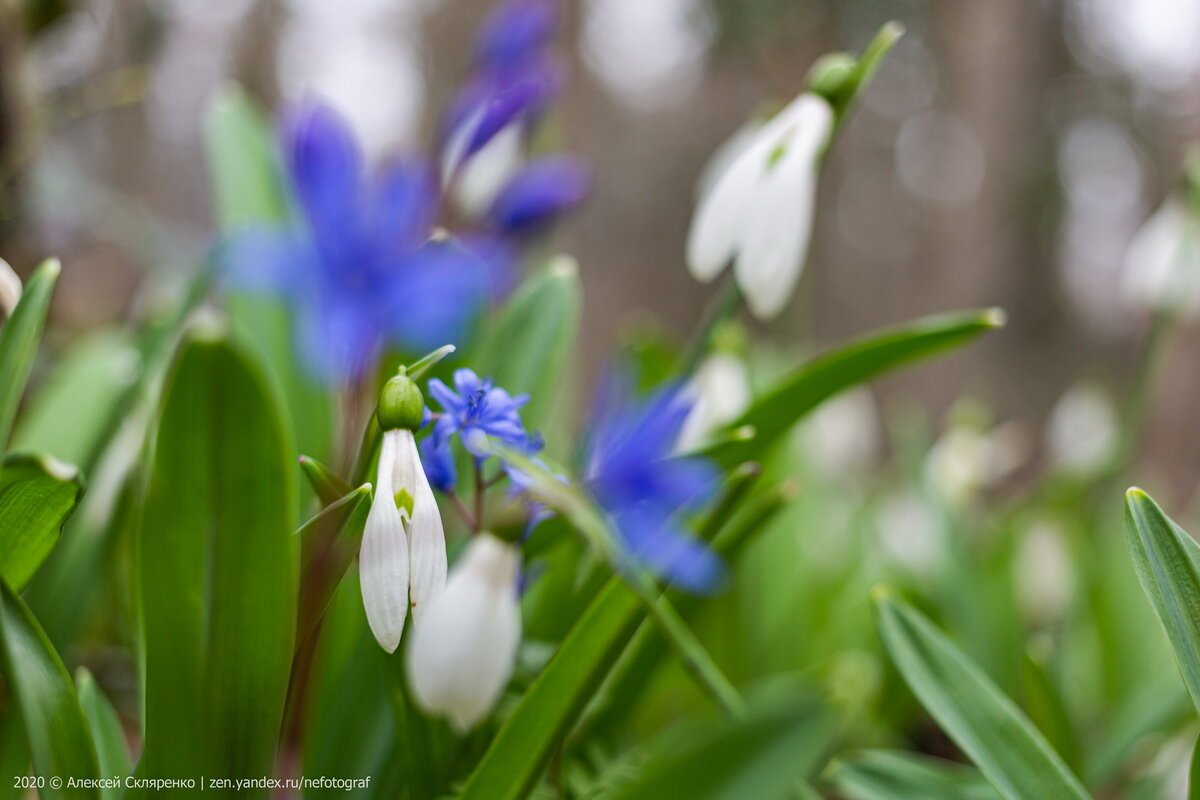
(824, 376)
(1194, 773)
(111, 747)
(19, 337)
(328, 544)
(217, 566)
(100, 369)
(1167, 562)
(55, 728)
(762, 757)
(37, 494)
(527, 349)
(247, 183)
(900, 775)
(971, 709)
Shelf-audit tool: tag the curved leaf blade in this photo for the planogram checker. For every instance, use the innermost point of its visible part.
(19, 339)
(526, 350)
(37, 495)
(58, 736)
(1167, 562)
(824, 376)
(218, 566)
(901, 775)
(111, 747)
(971, 709)
(763, 757)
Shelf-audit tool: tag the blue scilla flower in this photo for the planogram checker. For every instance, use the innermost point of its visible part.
(487, 127)
(636, 476)
(359, 268)
(474, 410)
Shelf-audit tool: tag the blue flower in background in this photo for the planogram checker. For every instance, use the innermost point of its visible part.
(475, 410)
(359, 270)
(484, 161)
(634, 474)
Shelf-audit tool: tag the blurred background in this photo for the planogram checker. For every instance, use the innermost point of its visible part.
(1005, 155)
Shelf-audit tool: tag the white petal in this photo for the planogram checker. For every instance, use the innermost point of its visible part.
(721, 213)
(462, 655)
(426, 538)
(486, 172)
(383, 556)
(775, 236)
(10, 288)
(1156, 273)
(721, 392)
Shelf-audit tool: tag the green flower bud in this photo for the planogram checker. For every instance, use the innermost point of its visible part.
(401, 404)
(833, 76)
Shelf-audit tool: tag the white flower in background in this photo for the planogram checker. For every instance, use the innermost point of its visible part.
(910, 533)
(967, 459)
(476, 181)
(758, 213)
(402, 560)
(843, 437)
(10, 288)
(1043, 573)
(1161, 270)
(720, 392)
(462, 655)
(1081, 432)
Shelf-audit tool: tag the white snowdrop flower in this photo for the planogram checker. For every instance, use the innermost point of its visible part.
(910, 534)
(10, 288)
(402, 560)
(967, 459)
(481, 176)
(720, 392)
(1081, 432)
(1043, 572)
(758, 213)
(462, 655)
(842, 436)
(1161, 269)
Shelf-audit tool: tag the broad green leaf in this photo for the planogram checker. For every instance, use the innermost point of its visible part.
(249, 192)
(14, 751)
(824, 376)
(328, 544)
(900, 775)
(72, 411)
(1167, 562)
(37, 494)
(246, 180)
(527, 349)
(764, 756)
(111, 748)
(19, 337)
(55, 728)
(218, 566)
(553, 703)
(971, 709)
(1194, 773)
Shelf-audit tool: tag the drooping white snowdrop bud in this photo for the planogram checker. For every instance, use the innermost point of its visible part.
(402, 560)
(911, 534)
(10, 288)
(1081, 433)
(1044, 574)
(484, 174)
(843, 434)
(462, 655)
(758, 213)
(968, 458)
(1161, 269)
(720, 392)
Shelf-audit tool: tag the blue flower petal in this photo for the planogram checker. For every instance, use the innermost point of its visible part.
(438, 291)
(405, 207)
(438, 462)
(324, 163)
(514, 31)
(540, 193)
